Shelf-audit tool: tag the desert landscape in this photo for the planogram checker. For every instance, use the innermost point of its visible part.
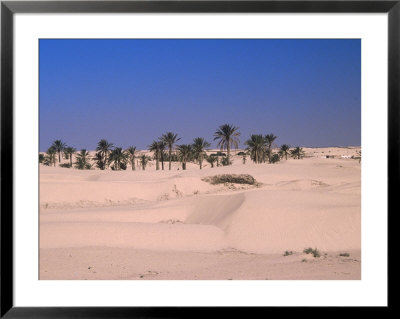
(294, 219)
(200, 159)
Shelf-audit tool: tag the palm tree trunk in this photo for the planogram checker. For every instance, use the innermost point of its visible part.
(170, 151)
(228, 150)
(59, 157)
(106, 161)
(70, 159)
(201, 161)
(157, 162)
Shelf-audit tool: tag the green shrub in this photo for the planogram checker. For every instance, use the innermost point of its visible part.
(344, 255)
(66, 165)
(314, 252)
(288, 253)
(225, 162)
(275, 158)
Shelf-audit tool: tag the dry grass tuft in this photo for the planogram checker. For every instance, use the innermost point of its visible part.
(230, 178)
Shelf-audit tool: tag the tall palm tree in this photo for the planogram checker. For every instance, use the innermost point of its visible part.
(98, 158)
(157, 147)
(144, 159)
(228, 137)
(184, 154)
(269, 140)
(69, 151)
(199, 149)
(118, 157)
(104, 148)
(297, 153)
(162, 146)
(170, 139)
(82, 160)
(59, 147)
(284, 150)
(131, 153)
(256, 147)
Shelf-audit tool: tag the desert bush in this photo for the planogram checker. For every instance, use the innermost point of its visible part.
(314, 252)
(275, 158)
(225, 162)
(41, 158)
(344, 255)
(66, 165)
(288, 253)
(230, 178)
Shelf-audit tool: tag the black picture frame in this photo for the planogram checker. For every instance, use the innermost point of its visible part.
(9, 8)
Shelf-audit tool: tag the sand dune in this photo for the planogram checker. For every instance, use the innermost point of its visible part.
(314, 202)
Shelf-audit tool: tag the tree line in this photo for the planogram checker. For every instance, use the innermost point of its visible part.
(260, 149)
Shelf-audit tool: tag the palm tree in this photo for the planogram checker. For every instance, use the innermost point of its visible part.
(82, 160)
(69, 151)
(118, 157)
(359, 156)
(218, 155)
(228, 137)
(98, 158)
(157, 147)
(297, 153)
(211, 159)
(199, 149)
(144, 159)
(59, 146)
(170, 139)
(256, 147)
(50, 157)
(162, 146)
(284, 150)
(104, 148)
(269, 140)
(131, 153)
(184, 154)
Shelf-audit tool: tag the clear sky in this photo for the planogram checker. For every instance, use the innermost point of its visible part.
(130, 92)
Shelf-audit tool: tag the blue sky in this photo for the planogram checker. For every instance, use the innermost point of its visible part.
(130, 92)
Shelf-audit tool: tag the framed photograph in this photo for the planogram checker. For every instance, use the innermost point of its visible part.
(162, 155)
